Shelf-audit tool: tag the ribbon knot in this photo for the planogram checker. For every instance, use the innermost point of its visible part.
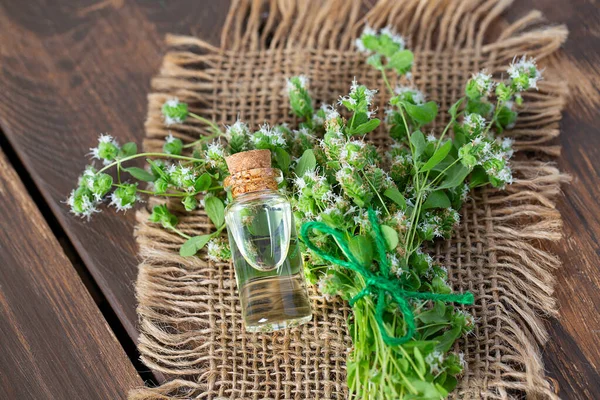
(387, 290)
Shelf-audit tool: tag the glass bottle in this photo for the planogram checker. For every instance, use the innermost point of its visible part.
(264, 246)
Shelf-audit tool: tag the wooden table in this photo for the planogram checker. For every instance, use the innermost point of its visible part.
(70, 71)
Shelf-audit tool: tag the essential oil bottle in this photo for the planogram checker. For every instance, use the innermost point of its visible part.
(264, 245)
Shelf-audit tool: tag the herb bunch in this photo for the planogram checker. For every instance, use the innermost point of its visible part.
(332, 174)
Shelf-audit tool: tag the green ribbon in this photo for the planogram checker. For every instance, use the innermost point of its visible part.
(379, 283)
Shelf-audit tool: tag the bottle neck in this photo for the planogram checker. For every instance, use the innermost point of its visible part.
(252, 180)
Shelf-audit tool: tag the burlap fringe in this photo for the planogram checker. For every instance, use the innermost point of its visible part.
(516, 282)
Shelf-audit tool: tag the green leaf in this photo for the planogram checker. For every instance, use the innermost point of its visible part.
(156, 170)
(128, 149)
(454, 109)
(391, 237)
(193, 245)
(401, 61)
(215, 210)
(395, 195)
(437, 199)
(362, 250)
(418, 141)
(283, 159)
(307, 162)
(359, 118)
(420, 362)
(375, 61)
(366, 127)
(454, 176)
(478, 177)
(140, 174)
(438, 156)
(203, 182)
(447, 339)
(423, 113)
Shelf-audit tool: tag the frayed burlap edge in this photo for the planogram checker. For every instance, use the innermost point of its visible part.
(516, 282)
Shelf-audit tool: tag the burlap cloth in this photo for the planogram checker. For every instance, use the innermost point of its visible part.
(189, 311)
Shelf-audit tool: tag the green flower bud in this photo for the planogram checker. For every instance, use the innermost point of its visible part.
(465, 153)
(503, 92)
(174, 111)
(173, 145)
(124, 197)
(82, 202)
(218, 249)
(190, 203)
(100, 185)
(107, 150)
(161, 185)
(471, 90)
(162, 215)
(300, 100)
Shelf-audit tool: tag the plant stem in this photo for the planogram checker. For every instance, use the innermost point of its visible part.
(177, 231)
(163, 155)
(377, 193)
(442, 173)
(203, 139)
(214, 127)
(499, 105)
(387, 83)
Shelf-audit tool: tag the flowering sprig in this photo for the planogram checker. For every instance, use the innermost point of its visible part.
(333, 175)
(386, 49)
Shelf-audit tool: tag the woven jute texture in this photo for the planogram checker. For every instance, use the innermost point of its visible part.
(189, 311)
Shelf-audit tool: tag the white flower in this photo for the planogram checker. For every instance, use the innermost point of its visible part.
(417, 96)
(505, 175)
(330, 112)
(484, 82)
(213, 248)
(273, 136)
(367, 31)
(171, 118)
(117, 201)
(302, 82)
(435, 360)
(525, 67)
(172, 102)
(317, 120)
(86, 206)
(170, 138)
(237, 129)
(431, 137)
(299, 183)
(507, 143)
(369, 94)
(104, 138)
(171, 168)
(474, 122)
(396, 38)
(105, 141)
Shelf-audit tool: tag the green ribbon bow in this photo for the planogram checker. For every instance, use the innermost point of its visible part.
(378, 283)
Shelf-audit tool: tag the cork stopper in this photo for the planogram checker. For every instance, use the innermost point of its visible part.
(250, 172)
(247, 160)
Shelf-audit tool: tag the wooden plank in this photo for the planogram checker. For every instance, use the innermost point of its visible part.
(573, 354)
(86, 69)
(54, 340)
(70, 71)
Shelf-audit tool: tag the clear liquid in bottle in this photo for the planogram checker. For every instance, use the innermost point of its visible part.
(267, 261)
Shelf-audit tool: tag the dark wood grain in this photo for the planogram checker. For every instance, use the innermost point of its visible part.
(71, 70)
(68, 72)
(55, 342)
(572, 356)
